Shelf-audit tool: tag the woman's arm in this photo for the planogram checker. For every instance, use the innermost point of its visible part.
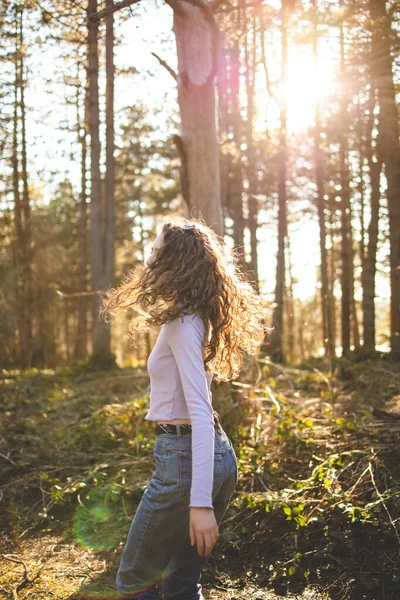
(185, 339)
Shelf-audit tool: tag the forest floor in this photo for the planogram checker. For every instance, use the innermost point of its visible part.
(315, 516)
(59, 569)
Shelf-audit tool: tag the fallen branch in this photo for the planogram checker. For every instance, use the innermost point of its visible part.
(9, 459)
(26, 580)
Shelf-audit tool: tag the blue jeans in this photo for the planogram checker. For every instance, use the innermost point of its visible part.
(158, 556)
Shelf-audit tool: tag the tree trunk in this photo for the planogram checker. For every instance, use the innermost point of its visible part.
(252, 203)
(302, 329)
(369, 264)
(196, 38)
(361, 190)
(333, 260)
(26, 207)
(345, 208)
(109, 260)
(19, 230)
(66, 331)
(353, 308)
(222, 92)
(100, 333)
(82, 326)
(276, 350)
(326, 294)
(22, 210)
(236, 184)
(291, 341)
(382, 67)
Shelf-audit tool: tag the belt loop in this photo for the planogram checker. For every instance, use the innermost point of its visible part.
(178, 430)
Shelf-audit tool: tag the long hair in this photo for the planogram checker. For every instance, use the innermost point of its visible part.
(196, 272)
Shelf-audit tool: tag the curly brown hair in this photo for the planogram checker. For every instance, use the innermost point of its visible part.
(195, 271)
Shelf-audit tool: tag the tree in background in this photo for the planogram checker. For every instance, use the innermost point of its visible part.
(382, 70)
(253, 178)
(15, 152)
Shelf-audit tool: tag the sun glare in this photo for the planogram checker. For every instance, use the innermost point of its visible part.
(305, 86)
(301, 91)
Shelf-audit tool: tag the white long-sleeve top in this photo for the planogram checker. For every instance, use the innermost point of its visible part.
(180, 389)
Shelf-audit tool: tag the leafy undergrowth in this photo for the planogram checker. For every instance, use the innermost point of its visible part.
(316, 513)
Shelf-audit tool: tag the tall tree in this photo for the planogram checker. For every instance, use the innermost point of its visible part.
(276, 349)
(101, 247)
(235, 164)
(22, 205)
(196, 35)
(109, 241)
(100, 334)
(374, 160)
(346, 253)
(326, 294)
(80, 350)
(250, 47)
(382, 65)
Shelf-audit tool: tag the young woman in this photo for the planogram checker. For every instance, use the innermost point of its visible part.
(208, 313)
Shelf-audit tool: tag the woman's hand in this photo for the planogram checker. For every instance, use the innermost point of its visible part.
(203, 529)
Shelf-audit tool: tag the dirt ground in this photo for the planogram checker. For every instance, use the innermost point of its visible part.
(51, 567)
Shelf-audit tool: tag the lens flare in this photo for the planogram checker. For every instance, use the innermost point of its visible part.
(99, 521)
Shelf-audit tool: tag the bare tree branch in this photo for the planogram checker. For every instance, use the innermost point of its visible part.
(117, 6)
(166, 66)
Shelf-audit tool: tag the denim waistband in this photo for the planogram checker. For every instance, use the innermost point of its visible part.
(184, 428)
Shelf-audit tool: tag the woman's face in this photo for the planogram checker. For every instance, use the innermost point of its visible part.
(154, 249)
